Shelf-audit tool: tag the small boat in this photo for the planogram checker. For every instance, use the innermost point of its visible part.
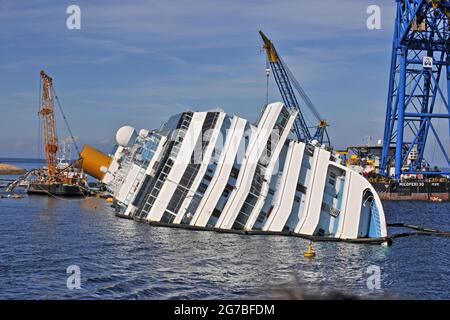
(435, 199)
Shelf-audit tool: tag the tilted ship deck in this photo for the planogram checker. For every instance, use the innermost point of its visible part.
(210, 170)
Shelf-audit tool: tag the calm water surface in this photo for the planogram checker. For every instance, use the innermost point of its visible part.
(41, 236)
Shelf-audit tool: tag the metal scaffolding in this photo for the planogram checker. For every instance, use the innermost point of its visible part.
(420, 54)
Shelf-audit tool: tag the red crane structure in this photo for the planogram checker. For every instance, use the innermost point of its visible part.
(47, 113)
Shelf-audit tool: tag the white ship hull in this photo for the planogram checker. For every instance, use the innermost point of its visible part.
(218, 172)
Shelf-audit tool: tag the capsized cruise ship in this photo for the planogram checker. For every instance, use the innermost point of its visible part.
(211, 170)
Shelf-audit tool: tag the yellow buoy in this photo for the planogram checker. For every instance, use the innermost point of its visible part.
(309, 253)
(110, 200)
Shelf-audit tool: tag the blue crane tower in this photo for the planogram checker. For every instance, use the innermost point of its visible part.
(286, 83)
(417, 87)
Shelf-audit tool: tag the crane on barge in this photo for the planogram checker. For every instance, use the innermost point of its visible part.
(57, 178)
(286, 83)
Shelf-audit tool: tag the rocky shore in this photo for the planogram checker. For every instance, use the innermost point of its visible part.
(8, 169)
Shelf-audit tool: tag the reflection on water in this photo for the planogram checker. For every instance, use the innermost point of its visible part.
(119, 258)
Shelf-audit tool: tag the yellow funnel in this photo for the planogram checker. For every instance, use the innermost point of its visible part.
(92, 160)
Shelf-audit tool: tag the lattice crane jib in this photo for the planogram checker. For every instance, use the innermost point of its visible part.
(287, 83)
(47, 113)
(418, 87)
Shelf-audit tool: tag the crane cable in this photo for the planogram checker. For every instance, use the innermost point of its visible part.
(309, 104)
(67, 123)
(39, 137)
(267, 79)
(301, 91)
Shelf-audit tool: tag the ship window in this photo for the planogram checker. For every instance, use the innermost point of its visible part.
(142, 191)
(332, 179)
(301, 188)
(309, 150)
(190, 211)
(167, 217)
(214, 217)
(216, 213)
(202, 188)
(234, 172)
(282, 120)
(245, 212)
(166, 169)
(262, 216)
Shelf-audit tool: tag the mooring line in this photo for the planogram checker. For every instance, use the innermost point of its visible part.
(420, 231)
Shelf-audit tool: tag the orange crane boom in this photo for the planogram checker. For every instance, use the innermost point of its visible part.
(48, 120)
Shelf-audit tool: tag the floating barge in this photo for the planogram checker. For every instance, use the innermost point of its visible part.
(56, 189)
(213, 171)
(433, 189)
(411, 187)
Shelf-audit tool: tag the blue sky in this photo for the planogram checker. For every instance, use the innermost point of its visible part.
(138, 62)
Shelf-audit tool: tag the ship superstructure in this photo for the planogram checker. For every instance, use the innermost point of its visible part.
(217, 171)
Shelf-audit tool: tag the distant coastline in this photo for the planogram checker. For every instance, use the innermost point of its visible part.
(21, 160)
(9, 169)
